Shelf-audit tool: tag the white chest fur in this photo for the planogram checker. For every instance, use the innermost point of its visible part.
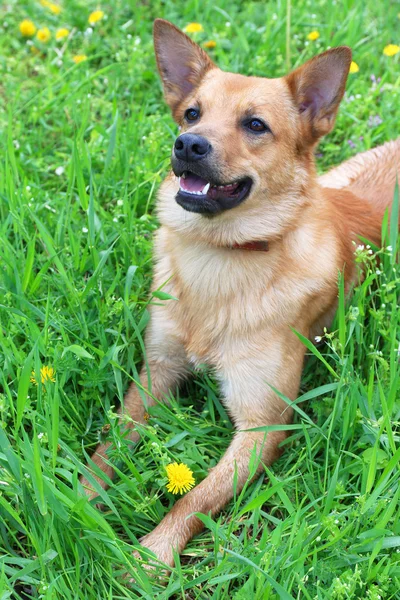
(227, 298)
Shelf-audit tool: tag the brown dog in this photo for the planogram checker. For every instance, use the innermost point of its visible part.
(251, 244)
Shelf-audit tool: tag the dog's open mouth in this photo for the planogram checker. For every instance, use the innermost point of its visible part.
(199, 195)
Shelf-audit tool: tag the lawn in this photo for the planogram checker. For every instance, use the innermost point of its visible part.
(85, 140)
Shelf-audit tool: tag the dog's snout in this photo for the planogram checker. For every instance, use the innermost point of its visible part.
(189, 147)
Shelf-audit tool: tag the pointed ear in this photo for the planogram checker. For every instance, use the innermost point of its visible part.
(318, 87)
(181, 63)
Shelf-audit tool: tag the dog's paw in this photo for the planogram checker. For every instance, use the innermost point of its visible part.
(89, 491)
(161, 547)
(90, 494)
(157, 563)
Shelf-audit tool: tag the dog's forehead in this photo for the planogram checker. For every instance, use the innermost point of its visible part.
(242, 93)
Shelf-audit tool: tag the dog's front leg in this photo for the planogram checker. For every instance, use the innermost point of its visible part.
(167, 365)
(252, 404)
(178, 527)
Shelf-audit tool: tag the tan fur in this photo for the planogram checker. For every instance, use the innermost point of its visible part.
(236, 309)
(370, 175)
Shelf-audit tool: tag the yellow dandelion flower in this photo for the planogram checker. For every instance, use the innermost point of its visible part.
(43, 35)
(354, 68)
(180, 478)
(62, 33)
(54, 8)
(210, 44)
(391, 49)
(193, 28)
(95, 16)
(79, 58)
(27, 28)
(46, 374)
(313, 35)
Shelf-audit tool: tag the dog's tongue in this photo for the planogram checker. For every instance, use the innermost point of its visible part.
(193, 183)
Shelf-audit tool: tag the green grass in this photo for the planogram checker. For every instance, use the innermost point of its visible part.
(75, 268)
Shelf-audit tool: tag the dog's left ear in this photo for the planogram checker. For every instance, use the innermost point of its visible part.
(181, 63)
(318, 87)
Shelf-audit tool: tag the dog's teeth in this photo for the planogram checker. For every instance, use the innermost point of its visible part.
(183, 175)
(206, 188)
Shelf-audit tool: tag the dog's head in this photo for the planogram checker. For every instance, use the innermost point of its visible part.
(244, 142)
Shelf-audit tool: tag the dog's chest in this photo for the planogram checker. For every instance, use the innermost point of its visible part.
(225, 298)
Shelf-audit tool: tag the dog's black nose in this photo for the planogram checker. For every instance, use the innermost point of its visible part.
(189, 147)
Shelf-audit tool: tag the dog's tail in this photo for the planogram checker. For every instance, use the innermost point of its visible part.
(371, 175)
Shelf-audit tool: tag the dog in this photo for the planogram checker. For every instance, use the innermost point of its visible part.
(251, 244)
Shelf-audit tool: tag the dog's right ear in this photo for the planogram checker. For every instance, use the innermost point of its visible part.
(181, 63)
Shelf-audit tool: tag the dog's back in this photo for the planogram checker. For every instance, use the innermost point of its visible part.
(370, 175)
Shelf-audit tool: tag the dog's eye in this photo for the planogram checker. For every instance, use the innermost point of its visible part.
(257, 126)
(192, 114)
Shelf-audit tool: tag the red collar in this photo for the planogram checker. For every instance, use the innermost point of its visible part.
(261, 246)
